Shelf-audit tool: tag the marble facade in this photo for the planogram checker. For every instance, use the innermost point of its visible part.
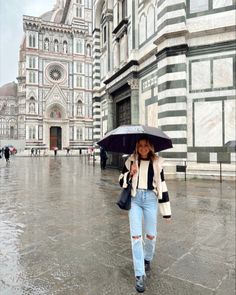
(181, 55)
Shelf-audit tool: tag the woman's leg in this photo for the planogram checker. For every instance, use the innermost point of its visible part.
(150, 224)
(135, 220)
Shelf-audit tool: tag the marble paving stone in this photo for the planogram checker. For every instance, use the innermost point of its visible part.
(61, 233)
(199, 270)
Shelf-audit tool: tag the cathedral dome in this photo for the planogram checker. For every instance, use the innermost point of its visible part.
(54, 15)
(9, 89)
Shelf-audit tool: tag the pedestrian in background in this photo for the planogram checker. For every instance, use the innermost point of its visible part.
(32, 152)
(55, 151)
(103, 158)
(7, 154)
(149, 191)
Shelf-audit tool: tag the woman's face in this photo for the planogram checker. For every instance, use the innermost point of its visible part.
(143, 148)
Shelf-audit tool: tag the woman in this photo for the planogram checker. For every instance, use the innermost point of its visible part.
(148, 192)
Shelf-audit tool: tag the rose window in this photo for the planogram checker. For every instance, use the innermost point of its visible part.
(55, 72)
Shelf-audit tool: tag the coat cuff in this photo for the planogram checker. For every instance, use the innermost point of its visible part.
(165, 209)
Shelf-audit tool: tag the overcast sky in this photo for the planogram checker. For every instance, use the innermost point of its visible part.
(11, 32)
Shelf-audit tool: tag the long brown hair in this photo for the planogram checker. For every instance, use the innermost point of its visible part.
(151, 155)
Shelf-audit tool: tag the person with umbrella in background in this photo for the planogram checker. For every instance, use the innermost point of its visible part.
(103, 158)
(149, 191)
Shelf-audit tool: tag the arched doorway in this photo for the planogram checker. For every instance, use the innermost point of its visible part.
(55, 137)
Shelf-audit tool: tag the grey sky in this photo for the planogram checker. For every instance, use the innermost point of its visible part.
(11, 32)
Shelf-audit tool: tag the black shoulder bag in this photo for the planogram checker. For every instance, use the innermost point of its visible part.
(124, 201)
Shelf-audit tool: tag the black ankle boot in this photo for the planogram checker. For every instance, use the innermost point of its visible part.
(147, 265)
(140, 284)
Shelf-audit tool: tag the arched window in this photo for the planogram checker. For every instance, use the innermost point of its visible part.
(79, 133)
(89, 51)
(56, 45)
(142, 29)
(79, 46)
(78, 11)
(79, 67)
(104, 34)
(65, 47)
(34, 41)
(30, 41)
(79, 81)
(46, 44)
(124, 8)
(32, 132)
(32, 77)
(150, 21)
(3, 126)
(32, 62)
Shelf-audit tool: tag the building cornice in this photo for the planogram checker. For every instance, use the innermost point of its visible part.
(172, 51)
(121, 71)
(37, 24)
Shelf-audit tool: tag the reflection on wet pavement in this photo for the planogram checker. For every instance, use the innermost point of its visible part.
(61, 233)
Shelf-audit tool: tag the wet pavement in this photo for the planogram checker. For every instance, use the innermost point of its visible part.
(61, 233)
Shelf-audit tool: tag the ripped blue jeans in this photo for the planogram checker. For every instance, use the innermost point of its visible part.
(144, 210)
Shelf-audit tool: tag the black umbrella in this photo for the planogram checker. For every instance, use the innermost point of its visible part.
(123, 139)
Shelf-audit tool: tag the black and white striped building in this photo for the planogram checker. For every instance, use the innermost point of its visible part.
(171, 64)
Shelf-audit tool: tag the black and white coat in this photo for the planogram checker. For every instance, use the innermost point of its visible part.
(158, 180)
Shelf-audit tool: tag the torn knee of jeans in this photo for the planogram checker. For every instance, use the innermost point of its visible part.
(149, 237)
(136, 237)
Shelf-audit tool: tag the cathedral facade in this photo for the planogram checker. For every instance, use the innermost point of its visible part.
(168, 64)
(51, 105)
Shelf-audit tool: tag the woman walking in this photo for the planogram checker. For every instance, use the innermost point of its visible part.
(149, 191)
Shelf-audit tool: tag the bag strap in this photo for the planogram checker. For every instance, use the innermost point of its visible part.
(130, 180)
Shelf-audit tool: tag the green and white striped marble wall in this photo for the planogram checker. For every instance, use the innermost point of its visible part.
(96, 85)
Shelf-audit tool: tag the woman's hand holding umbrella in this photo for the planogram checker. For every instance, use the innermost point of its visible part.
(133, 170)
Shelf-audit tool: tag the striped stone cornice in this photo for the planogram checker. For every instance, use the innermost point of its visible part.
(214, 31)
(167, 35)
(211, 48)
(172, 51)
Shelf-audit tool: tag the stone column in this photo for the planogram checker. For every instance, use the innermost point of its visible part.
(134, 100)
(110, 109)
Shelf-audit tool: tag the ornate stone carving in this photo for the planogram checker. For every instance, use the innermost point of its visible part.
(134, 83)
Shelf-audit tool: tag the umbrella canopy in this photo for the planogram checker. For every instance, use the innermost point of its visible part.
(231, 143)
(123, 139)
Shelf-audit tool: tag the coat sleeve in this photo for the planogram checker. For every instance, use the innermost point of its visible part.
(164, 203)
(125, 174)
